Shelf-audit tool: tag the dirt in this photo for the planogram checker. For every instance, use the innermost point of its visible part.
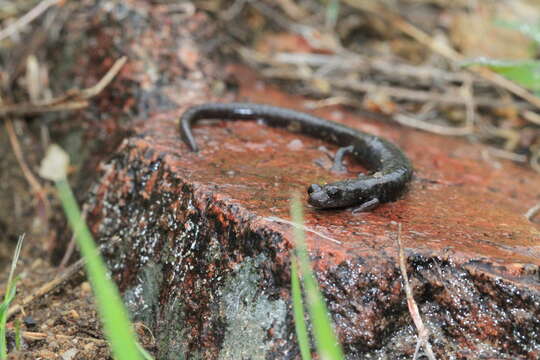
(64, 323)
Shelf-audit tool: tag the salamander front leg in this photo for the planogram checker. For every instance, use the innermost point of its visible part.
(338, 166)
(366, 206)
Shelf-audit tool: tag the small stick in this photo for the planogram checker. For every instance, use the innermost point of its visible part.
(531, 213)
(28, 175)
(470, 103)
(534, 161)
(423, 332)
(72, 100)
(105, 80)
(71, 245)
(505, 154)
(48, 287)
(414, 95)
(392, 91)
(352, 61)
(32, 336)
(434, 128)
(24, 109)
(281, 59)
(303, 227)
(532, 117)
(27, 18)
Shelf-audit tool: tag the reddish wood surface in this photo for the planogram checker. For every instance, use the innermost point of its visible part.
(472, 255)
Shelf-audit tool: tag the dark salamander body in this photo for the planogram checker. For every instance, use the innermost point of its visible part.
(390, 169)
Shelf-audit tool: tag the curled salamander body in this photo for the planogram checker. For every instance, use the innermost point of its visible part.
(390, 169)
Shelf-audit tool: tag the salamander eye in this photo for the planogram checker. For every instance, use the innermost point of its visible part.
(333, 191)
(313, 188)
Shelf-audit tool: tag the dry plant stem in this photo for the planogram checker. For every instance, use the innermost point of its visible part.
(72, 100)
(403, 93)
(532, 117)
(48, 287)
(37, 189)
(331, 101)
(303, 227)
(27, 18)
(392, 91)
(277, 70)
(72, 242)
(352, 61)
(69, 251)
(470, 104)
(34, 336)
(534, 161)
(423, 332)
(24, 109)
(508, 155)
(433, 128)
(532, 212)
(105, 80)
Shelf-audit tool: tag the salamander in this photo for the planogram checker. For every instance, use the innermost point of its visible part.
(390, 168)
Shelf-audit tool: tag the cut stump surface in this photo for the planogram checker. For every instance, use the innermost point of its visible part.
(208, 234)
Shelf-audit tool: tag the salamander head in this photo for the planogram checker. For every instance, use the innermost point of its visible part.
(328, 196)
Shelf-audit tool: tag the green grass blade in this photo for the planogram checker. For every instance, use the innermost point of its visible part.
(332, 13)
(3, 321)
(11, 290)
(16, 255)
(116, 323)
(525, 73)
(327, 343)
(298, 312)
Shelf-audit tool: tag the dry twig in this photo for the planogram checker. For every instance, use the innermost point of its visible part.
(433, 128)
(27, 18)
(534, 161)
(359, 63)
(34, 336)
(532, 117)
(24, 109)
(405, 93)
(72, 100)
(505, 154)
(48, 287)
(105, 80)
(531, 213)
(37, 189)
(423, 332)
(303, 227)
(71, 246)
(453, 96)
